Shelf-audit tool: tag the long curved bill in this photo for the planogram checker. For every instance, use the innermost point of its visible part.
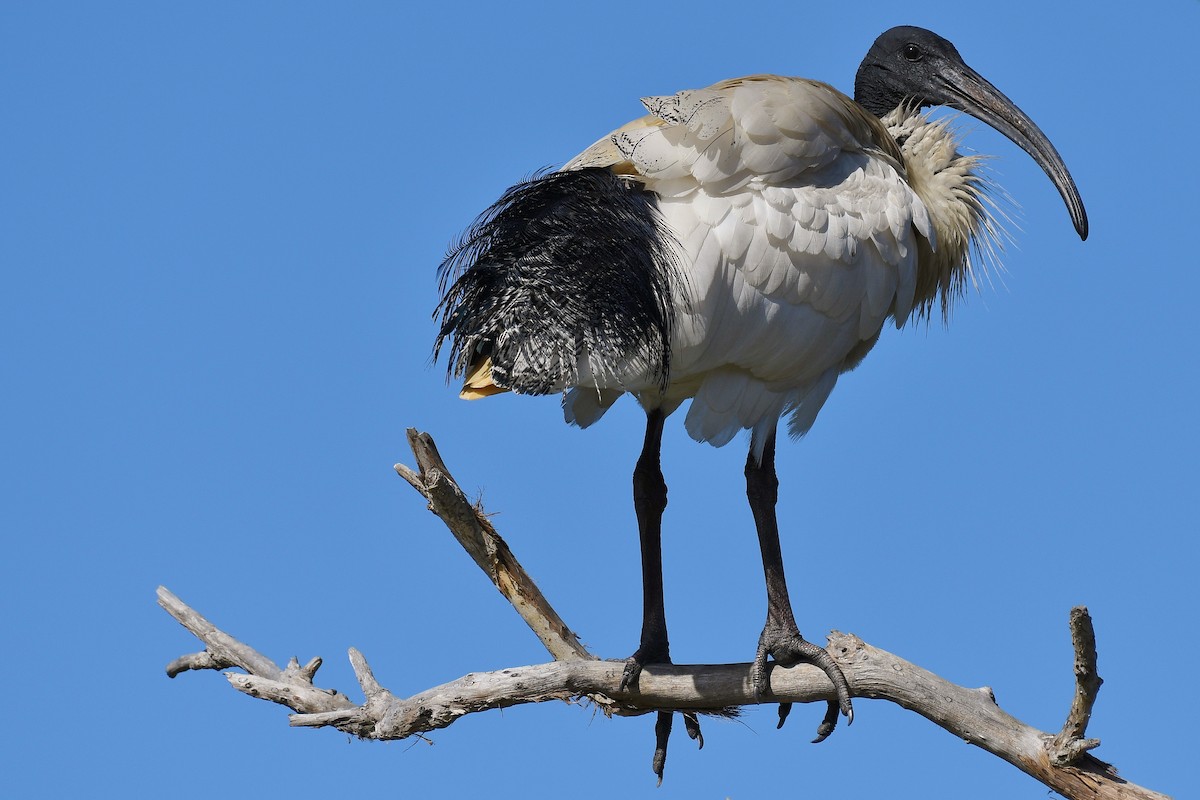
(969, 91)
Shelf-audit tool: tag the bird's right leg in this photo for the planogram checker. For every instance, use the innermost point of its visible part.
(780, 637)
(649, 502)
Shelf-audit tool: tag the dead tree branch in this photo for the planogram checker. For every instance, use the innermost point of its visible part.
(475, 533)
(1062, 762)
(1071, 742)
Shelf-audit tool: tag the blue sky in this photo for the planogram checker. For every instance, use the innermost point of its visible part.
(221, 225)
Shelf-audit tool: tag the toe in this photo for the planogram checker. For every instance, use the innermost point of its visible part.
(788, 647)
(828, 724)
(691, 723)
(662, 732)
(630, 675)
(758, 670)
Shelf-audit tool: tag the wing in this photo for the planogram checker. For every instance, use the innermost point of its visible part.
(792, 177)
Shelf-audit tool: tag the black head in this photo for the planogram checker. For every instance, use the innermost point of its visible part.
(916, 67)
(903, 66)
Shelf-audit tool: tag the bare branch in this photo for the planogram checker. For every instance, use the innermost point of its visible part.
(292, 687)
(475, 533)
(970, 714)
(222, 650)
(1070, 743)
(201, 660)
(1060, 762)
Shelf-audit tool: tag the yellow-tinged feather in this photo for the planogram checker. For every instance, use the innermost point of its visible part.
(478, 383)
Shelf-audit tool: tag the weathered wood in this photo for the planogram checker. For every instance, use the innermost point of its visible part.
(221, 649)
(1059, 761)
(291, 687)
(475, 533)
(1071, 743)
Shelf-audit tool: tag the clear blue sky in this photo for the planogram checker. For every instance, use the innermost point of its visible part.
(220, 228)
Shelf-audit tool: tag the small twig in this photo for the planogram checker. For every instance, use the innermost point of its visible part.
(292, 687)
(1070, 744)
(414, 478)
(366, 678)
(305, 673)
(201, 660)
(222, 650)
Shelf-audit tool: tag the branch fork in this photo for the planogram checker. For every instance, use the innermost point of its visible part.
(1061, 761)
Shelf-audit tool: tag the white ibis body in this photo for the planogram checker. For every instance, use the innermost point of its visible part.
(741, 246)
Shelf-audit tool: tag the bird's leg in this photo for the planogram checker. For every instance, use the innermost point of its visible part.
(649, 502)
(780, 637)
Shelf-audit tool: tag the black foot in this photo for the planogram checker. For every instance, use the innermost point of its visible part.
(650, 652)
(662, 732)
(788, 647)
(663, 722)
(634, 664)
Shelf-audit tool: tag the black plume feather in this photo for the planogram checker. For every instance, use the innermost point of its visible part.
(566, 268)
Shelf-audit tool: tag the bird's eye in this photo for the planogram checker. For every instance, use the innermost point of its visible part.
(912, 52)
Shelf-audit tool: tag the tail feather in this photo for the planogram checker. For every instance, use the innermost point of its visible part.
(569, 274)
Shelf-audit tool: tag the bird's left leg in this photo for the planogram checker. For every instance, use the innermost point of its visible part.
(780, 637)
(649, 502)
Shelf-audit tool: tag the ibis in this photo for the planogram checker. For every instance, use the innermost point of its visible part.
(739, 247)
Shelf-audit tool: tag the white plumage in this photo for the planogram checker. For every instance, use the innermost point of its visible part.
(797, 234)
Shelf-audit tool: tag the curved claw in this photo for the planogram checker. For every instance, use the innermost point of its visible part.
(819, 657)
(790, 648)
(828, 724)
(691, 724)
(784, 710)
